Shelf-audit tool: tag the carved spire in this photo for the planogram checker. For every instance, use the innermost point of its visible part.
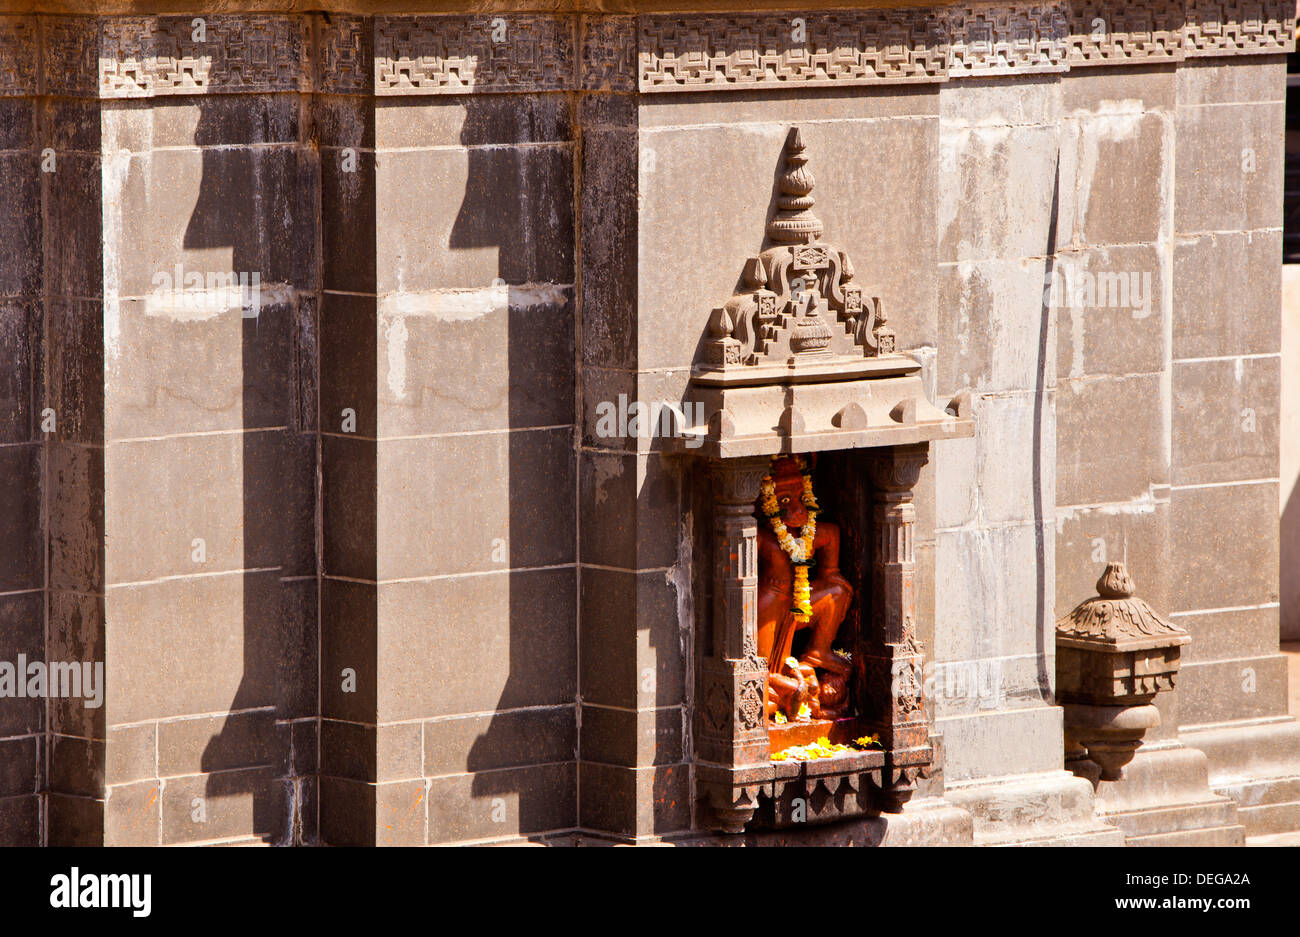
(794, 222)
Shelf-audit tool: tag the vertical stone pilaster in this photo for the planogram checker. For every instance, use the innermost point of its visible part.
(731, 725)
(893, 697)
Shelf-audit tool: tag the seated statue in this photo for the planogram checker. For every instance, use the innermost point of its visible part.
(800, 587)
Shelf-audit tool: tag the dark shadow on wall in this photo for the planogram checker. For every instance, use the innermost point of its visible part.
(1041, 622)
(1289, 567)
(244, 196)
(518, 201)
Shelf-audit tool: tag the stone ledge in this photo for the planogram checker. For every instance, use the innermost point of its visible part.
(148, 49)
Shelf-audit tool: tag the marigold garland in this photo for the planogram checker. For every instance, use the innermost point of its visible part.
(799, 550)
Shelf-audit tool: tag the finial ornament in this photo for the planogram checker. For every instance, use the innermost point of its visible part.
(794, 222)
(801, 307)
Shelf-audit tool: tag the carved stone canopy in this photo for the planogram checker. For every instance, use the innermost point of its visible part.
(1114, 653)
(802, 360)
(1116, 619)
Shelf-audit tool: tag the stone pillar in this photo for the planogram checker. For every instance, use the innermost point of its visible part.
(449, 611)
(181, 484)
(730, 723)
(1225, 432)
(22, 448)
(893, 698)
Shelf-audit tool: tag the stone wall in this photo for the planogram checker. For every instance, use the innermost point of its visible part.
(359, 563)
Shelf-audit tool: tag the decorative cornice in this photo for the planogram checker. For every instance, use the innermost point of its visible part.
(1007, 38)
(132, 56)
(1239, 27)
(467, 54)
(741, 51)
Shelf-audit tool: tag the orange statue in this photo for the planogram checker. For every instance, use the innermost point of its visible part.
(800, 587)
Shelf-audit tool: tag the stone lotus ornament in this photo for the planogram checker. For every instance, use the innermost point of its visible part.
(1114, 653)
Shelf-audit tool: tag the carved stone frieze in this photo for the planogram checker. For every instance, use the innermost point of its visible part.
(18, 55)
(345, 55)
(1106, 33)
(472, 54)
(71, 55)
(1007, 38)
(1226, 27)
(609, 53)
(144, 56)
(841, 47)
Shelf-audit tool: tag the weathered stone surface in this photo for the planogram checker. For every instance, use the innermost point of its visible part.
(1236, 272)
(505, 739)
(1230, 160)
(1208, 524)
(630, 738)
(632, 644)
(502, 804)
(634, 801)
(1113, 458)
(1225, 425)
(518, 624)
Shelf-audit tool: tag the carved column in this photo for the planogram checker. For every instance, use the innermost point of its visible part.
(893, 699)
(731, 737)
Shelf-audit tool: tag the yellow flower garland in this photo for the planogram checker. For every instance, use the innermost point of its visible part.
(800, 551)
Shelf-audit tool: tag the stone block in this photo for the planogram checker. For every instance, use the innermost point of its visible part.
(512, 802)
(1231, 167)
(1220, 559)
(510, 739)
(1226, 420)
(240, 210)
(996, 478)
(74, 226)
(473, 644)
(211, 120)
(1087, 538)
(131, 753)
(349, 655)
(348, 506)
(22, 631)
(22, 395)
(1002, 196)
(610, 226)
(1005, 742)
(518, 513)
(163, 494)
(630, 509)
(77, 634)
(1115, 459)
(20, 224)
(1244, 79)
(472, 120)
(75, 821)
(75, 370)
(996, 329)
(77, 765)
(20, 821)
(1125, 173)
(1229, 633)
(1227, 294)
(132, 814)
(633, 639)
(488, 213)
(19, 769)
(997, 599)
(471, 360)
(1111, 309)
(22, 565)
(216, 743)
(157, 622)
(1227, 690)
(349, 365)
(635, 801)
(632, 738)
(240, 804)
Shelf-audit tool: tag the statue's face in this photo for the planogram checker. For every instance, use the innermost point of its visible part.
(789, 498)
